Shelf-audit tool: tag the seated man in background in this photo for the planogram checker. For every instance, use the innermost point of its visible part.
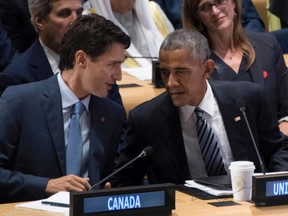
(173, 126)
(143, 21)
(43, 149)
(50, 19)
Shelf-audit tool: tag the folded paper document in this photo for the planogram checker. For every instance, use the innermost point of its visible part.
(208, 189)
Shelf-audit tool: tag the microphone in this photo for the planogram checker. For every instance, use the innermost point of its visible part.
(144, 57)
(241, 105)
(145, 152)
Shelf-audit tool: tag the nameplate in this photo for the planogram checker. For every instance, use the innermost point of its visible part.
(158, 199)
(270, 189)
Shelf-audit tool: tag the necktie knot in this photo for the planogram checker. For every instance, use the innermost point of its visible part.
(199, 112)
(78, 108)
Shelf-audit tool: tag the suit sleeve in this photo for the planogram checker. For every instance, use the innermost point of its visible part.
(273, 144)
(15, 185)
(134, 173)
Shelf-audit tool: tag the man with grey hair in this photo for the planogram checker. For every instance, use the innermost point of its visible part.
(50, 19)
(177, 122)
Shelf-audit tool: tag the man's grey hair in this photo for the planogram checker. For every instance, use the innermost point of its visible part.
(191, 40)
(40, 8)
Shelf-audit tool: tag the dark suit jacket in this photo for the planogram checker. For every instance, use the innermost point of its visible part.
(250, 18)
(268, 70)
(280, 8)
(16, 21)
(156, 123)
(32, 146)
(172, 9)
(6, 49)
(33, 65)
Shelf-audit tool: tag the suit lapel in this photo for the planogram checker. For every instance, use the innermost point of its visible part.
(233, 120)
(39, 64)
(172, 132)
(97, 135)
(52, 107)
(256, 69)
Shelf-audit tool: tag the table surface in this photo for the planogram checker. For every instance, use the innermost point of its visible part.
(134, 91)
(185, 206)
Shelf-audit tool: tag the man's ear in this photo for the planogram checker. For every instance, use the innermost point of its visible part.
(81, 58)
(209, 68)
(39, 23)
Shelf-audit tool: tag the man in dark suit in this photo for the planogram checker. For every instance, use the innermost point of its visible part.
(168, 122)
(41, 60)
(35, 117)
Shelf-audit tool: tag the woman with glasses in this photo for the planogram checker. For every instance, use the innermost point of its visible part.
(239, 55)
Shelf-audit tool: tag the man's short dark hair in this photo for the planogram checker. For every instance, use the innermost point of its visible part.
(92, 34)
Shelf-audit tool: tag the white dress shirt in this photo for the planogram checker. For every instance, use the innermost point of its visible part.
(214, 118)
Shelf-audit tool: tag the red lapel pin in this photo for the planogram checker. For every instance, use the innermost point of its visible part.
(265, 74)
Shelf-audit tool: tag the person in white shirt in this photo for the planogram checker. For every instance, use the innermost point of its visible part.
(143, 21)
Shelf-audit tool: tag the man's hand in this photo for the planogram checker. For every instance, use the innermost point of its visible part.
(71, 183)
(284, 127)
(108, 185)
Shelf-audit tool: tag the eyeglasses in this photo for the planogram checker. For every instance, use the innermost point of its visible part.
(206, 7)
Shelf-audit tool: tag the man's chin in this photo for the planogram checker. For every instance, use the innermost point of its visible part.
(178, 103)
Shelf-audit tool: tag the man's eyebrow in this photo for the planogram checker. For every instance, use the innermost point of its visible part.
(180, 68)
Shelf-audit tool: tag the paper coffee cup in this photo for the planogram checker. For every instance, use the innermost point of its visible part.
(241, 173)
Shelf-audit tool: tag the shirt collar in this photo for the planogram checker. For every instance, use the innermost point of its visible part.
(68, 97)
(52, 57)
(207, 105)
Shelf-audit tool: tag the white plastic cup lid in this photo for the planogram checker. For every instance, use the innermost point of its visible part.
(243, 165)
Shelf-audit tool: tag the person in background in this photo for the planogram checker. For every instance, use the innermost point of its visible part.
(173, 10)
(16, 21)
(6, 49)
(143, 21)
(36, 133)
(170, 122)
(249, 56)
(250, 17)
(50, 19)
(280, 8)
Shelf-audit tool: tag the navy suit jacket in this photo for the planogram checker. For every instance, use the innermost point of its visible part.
(156, 123)
(32, 140)
(268, 70)
(33, 65)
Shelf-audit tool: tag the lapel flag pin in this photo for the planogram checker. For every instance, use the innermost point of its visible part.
(236, 119)
(265, 74)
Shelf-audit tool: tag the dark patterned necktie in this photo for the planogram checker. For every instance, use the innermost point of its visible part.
(209, 147)
(75, 144)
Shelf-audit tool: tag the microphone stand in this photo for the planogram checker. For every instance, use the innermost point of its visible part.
(142, 154)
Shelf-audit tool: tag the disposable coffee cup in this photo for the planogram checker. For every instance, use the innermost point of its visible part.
(241, 173)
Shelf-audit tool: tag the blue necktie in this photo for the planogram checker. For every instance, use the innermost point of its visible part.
(75, 144)
(209, 147)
